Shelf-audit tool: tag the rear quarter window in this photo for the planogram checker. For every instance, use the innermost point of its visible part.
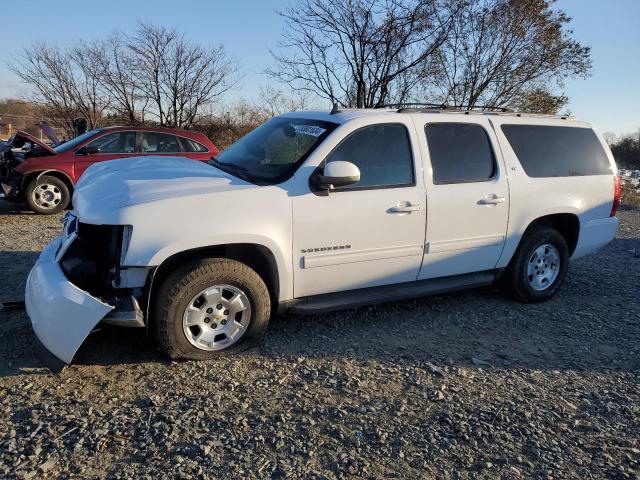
(550, 151)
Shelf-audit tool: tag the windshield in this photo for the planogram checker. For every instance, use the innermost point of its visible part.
(74, 142)
(273, 151)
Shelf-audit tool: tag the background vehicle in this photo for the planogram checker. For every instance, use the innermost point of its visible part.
(45, 176)
(314, 211)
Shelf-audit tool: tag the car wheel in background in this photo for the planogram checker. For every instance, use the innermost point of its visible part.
(47, 195)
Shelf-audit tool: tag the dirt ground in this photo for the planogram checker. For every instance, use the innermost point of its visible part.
(465, 385)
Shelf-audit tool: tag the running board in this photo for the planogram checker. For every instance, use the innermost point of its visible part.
(328, 302)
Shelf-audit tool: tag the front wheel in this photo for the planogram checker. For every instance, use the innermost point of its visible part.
(47, 195)
(209, 308)
(538, 267)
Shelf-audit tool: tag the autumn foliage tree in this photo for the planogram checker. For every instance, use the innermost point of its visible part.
(508, 53)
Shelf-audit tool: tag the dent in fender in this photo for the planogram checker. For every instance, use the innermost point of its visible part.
(62, 315)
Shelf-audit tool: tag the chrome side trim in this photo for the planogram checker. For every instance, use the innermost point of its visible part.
(350, 256)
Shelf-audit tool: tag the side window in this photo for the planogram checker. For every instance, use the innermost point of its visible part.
(191, 146)
(549, 151)
(117, 142)
(381, 152)
(460, 152)
(153, 142)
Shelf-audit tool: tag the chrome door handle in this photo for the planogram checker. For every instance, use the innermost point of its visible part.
(491, 199)
(406, 207)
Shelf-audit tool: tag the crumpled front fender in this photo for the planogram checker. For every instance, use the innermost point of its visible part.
(62, 315)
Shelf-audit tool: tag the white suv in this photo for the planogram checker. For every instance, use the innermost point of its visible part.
(315, 211)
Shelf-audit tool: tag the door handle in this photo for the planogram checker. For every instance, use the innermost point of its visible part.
(405, 207)
(491, 199)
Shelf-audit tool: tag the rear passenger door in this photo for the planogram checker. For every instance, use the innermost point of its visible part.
(157, 143)
(467, 196)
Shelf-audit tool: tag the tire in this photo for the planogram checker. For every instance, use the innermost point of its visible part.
(177, 331)
(47, 195)
(527, 279)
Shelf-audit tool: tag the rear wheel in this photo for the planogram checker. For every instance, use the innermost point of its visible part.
(47, 195)
(538, 267)
(209, 308)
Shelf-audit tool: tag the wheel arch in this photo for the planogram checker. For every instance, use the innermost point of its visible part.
(29, 177)
(567, 224)
(256, 256)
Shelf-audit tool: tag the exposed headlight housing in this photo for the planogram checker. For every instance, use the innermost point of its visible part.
(92, 260)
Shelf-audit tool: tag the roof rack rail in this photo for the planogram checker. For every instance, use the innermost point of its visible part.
(413, 106)
(443, 106)
(467, 109)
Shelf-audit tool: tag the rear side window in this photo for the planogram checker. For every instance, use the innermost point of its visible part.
(153, 142)
(460, 152)
(548, 151)
(190, 146)
(381, 152)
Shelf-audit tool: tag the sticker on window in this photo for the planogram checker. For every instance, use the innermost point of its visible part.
(312, 130)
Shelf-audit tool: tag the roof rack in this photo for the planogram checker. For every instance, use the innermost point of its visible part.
(443, 106)
(466, 109)
(414, 106)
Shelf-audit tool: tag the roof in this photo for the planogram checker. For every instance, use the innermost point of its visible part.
(152, 129)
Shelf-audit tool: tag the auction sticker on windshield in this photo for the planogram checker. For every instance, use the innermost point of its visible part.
(312, 130)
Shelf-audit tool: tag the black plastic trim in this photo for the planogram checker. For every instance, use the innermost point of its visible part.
(328, 302)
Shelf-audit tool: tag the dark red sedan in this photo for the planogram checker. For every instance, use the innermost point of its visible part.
(45, 176)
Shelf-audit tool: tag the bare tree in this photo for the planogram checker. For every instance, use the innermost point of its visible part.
(65, 84)
(610, 137)
(273, 101)
(118, 77)
(359, 53)
(179, 77)
(500, 52)
(155, 71)
(92, 100)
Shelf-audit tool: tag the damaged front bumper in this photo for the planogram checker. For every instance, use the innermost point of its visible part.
(62, 315)
(10, 180)
(10, 187)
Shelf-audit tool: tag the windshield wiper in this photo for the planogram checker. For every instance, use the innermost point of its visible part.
(237, 170)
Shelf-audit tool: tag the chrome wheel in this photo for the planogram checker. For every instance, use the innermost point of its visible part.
(543, 267)
(46, 196)
(217, 317)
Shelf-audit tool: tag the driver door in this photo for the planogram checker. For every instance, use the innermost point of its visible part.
(371, 233)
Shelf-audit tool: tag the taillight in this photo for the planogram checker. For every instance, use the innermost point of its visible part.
(616, 195)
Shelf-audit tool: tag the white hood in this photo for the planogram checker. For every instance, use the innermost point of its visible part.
(110, 185)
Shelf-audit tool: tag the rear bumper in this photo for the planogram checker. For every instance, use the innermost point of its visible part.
(595, 234)
(62, 315)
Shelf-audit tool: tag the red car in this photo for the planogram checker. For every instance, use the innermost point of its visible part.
(44, 176)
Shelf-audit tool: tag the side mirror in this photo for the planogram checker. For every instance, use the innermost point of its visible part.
(338, 174)
(88, 151)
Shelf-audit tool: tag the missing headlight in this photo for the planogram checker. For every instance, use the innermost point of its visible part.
(92, 261)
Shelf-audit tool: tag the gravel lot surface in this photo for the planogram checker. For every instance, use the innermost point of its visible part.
(466, 385)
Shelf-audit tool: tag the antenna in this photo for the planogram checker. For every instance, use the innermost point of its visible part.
(335, 109)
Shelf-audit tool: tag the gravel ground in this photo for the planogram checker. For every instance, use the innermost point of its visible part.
(466, 385)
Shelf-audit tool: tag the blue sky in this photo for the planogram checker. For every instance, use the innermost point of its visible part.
(610, 98)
